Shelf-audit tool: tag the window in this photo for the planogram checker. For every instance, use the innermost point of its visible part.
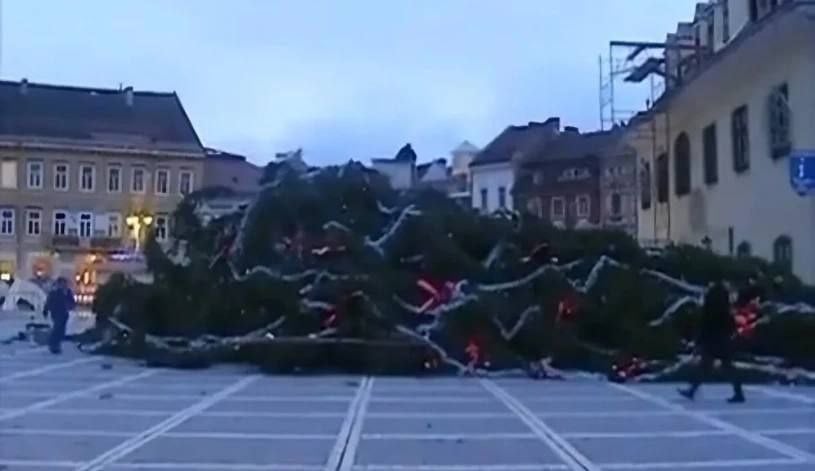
(85, 225)
(6, 222)
(185, 182)
(114, 225)
(682, 165)
(741, 140)
(615, 204)
(583, 206)
(558, 208)
(779, 118)
(744, 249)
(782, 251)
(114, 179)
(8, 174)
(33, 222)
(483, 199)
(502, 197)
(162, 228)
(34, 178)
(61, 177)
(162, 182)
(711, 154)
(725, 21)
(137, 180)
(87, 177)
(645, 185)
(662, 178)
(60, 223)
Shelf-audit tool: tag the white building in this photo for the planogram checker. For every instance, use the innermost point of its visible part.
(492, 171)
(715, 168)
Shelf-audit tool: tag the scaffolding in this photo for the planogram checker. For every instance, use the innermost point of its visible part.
(635, 62)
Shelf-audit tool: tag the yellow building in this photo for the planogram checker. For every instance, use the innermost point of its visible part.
(714, 148)
(85, 173)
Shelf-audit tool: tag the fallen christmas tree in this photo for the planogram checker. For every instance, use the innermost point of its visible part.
(333, 269)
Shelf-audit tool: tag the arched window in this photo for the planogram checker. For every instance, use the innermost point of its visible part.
(682, 165)
(662, 178)
(744, 249)
(782, 251)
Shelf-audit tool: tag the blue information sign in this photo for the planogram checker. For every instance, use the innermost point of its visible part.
(802, 171)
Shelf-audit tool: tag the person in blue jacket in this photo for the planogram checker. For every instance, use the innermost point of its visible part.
(58, 305)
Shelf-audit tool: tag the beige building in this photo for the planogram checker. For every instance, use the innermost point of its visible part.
(715, 168)
(86, 173)
(233, 171)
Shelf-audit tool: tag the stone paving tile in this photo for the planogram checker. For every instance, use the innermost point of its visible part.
(769, 420)
(802, 441)
(119, 422)
(648, 450)
(488, 405)
(455, 452)
(223, 451)
(437, 425)
(294, 425)
(102, 401)
(57, 448)
(290, 406)
(631, 424)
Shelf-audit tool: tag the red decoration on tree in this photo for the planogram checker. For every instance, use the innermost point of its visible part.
(746, 318)
(567, 308)
(473, 351)
(438, 293)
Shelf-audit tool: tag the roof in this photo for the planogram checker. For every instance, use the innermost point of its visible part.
(516, 140)
(95, 116)
(422, 169)
(574, 146)
(222, 155)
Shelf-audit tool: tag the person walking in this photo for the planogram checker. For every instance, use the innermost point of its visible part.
(715, 340)
(58, 305)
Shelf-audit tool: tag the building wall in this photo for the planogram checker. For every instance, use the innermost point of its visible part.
(20, 249)
(491, 178)
(239, 175)
(550, 180)
(758, 205)
(618, 177)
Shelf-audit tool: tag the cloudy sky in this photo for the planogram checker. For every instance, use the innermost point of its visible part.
(343, 78)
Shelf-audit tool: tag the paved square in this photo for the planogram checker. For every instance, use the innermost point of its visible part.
(92, 413)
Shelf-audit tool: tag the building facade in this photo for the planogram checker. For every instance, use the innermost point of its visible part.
(228, 170)
(493, 169)
(86, 174)
(715, 170)
(580, 181)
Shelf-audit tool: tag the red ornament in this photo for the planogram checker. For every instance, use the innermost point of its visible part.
(473, 351)
(437, 294)
(567, 308)
(746, 318)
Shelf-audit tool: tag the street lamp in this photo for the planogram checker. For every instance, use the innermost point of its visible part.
(135, 222)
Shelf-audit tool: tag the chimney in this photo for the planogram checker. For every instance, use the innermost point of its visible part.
(128, 91)
(24, 86)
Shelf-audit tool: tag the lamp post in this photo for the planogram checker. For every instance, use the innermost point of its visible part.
(136, 222)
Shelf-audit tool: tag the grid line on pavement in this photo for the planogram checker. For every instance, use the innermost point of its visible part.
(46, 369)
(783, 394)
(768, 443)
(349, 453)
(341, 439)
(570, 456)
(128, 446)
(759, 464)
(38, 406)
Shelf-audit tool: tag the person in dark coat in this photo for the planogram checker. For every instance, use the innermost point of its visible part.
(58, 305)
(715, 340)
